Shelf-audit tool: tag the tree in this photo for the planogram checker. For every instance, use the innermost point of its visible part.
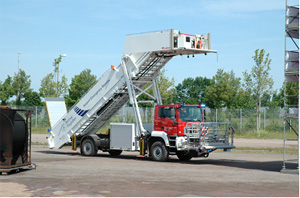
(244, 100)
(277, 99)
(224, 91)
(266, 99)
(79, 86)
(48, 86)
(21, 86)
(292, 91)
(61, 86)
(33, 99)
(166, 87)
(6, 90)
(192, 91)
(259, 81)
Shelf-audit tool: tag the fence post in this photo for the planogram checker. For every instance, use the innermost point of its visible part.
(35, 116)
(146, 114)
(264, 118)
(123, 112)
(241, 120)
(216, 115)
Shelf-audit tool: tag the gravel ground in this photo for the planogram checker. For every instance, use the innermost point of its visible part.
(65, 173)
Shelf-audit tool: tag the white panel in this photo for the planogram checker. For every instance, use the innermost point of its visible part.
(157, 41)
(122, 136)
(88, 105)
(56, 109)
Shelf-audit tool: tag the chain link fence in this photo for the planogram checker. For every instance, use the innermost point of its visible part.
(245, 119)
(242, 119)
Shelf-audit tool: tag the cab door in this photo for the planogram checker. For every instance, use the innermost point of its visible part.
(169, 122)
(158, 119)
(165, 122)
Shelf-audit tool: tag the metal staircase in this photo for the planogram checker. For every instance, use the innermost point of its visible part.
(125, 83)
(148, 71)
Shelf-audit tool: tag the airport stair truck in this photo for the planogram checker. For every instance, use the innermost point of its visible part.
(177, 130)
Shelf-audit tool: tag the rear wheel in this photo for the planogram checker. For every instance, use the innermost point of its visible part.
(115, 152)
(88, 147)
(184, 155)
(159, 151)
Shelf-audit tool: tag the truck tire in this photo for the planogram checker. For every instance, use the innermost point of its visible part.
(184, 156)
(88, 147)
(115, 152)
(159, 151)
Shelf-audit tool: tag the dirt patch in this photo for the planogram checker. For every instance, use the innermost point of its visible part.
(14, 190)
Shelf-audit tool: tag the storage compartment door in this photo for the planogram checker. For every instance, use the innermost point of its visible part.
(122, 137)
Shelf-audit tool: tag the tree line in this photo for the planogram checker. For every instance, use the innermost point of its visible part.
(223, 90)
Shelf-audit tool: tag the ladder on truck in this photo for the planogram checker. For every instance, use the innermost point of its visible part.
(144, 56)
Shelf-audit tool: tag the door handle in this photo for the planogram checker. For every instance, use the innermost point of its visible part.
(175, 123)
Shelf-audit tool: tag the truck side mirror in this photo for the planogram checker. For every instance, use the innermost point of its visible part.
(173, 114)
(204, 113)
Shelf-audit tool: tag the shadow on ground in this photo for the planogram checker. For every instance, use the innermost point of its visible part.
(274, 166)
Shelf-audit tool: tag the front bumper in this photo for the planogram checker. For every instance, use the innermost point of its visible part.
(202, 137)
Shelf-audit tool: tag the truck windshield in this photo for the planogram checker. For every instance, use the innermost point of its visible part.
(190, 113)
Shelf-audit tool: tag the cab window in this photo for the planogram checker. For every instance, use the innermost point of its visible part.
(190, 113)
(164, 113)
(161, 112)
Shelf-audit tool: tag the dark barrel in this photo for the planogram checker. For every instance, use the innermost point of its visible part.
(13, 138)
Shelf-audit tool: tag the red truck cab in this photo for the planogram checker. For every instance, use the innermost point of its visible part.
(173, 118)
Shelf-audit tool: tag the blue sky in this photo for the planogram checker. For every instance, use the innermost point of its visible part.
(92, 34)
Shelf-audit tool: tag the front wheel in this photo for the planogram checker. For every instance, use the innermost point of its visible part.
(88, 147)
(159, 151)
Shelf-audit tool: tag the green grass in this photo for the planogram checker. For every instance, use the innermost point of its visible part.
(39, 130)
(39, 144)
(262, 134)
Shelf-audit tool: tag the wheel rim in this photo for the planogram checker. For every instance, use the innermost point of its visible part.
(87, 148)
(157, 152)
